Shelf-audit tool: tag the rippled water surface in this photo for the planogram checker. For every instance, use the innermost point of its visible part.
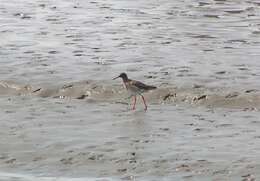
(214, 42)
(193, 51)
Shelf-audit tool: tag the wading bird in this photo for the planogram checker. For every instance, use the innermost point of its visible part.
(135, 88)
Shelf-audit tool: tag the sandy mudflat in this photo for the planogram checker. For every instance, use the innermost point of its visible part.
(62, 118)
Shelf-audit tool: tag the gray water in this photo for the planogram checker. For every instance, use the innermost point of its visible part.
(213, 42)
(174, 45)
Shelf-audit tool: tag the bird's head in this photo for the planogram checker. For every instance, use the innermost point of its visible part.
(122, 75)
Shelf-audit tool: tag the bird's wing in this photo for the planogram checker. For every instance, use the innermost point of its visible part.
(141, 85)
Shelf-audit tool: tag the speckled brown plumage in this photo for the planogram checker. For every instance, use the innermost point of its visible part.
(135, 87)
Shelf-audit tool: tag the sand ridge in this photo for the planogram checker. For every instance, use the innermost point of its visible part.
(247, 100)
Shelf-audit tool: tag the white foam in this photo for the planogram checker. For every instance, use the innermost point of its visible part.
(20, 177)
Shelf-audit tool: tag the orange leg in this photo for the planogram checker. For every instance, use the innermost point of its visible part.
(144, 103)
(134, 102)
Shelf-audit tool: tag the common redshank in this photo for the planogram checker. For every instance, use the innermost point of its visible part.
(135, 88)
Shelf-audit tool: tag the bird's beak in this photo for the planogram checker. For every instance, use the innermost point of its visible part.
(115, 77)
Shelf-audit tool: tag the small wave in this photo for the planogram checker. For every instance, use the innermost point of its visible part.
(20, 177)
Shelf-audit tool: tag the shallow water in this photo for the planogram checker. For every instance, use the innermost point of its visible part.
(62, 116)
(215, 43)
(63, 138)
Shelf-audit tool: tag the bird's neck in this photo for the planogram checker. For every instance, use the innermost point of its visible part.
(125, 79)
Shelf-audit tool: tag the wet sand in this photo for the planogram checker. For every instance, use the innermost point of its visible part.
(63, 118)
(114, 92)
